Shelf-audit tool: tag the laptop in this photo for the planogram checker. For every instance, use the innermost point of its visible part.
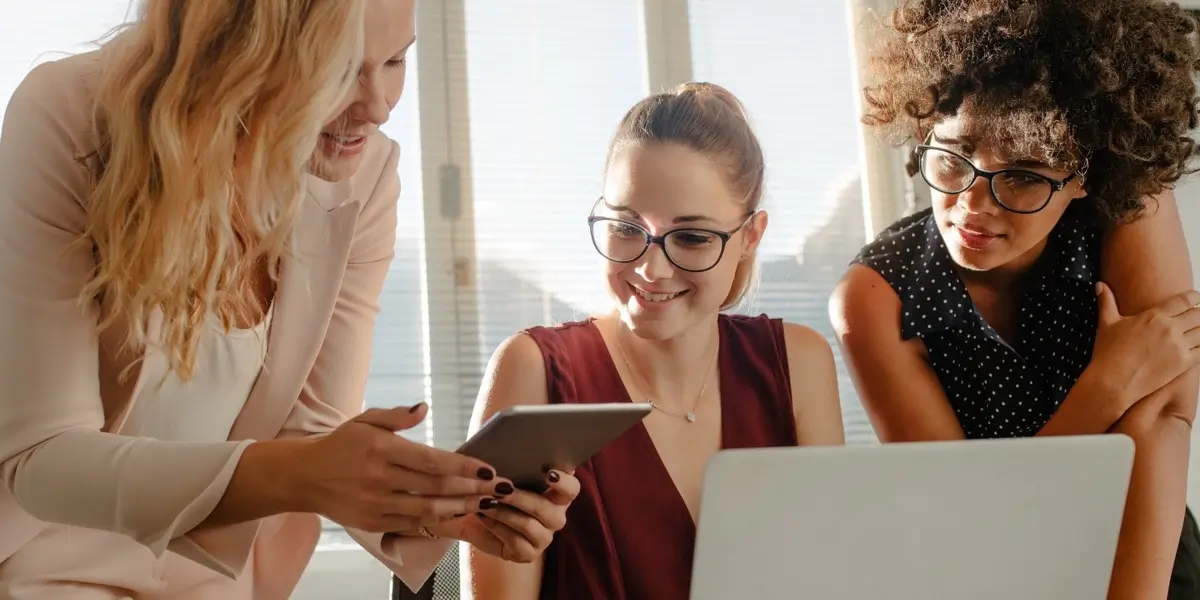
(1034, 519)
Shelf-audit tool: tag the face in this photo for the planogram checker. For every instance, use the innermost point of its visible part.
(389, 33)
(980, 234)
(661, 188)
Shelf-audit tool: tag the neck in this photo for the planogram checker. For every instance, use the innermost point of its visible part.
(673, 369)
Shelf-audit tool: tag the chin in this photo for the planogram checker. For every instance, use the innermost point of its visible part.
(335, 169)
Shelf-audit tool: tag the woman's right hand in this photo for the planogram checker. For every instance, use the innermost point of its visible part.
(1141, 353)
(364, 476)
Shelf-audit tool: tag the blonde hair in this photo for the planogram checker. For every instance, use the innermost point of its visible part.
(207, 113)
(710, 120)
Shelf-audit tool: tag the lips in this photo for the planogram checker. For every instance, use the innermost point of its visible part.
(975, 237)
(656, 296)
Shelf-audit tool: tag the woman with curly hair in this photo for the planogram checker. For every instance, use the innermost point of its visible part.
(1047, 291)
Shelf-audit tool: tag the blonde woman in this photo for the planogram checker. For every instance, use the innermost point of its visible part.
(195, 224)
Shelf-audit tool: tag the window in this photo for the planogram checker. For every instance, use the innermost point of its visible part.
(796, 88)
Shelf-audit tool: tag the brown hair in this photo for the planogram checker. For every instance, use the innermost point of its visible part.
(1102, 87)
(710, 120)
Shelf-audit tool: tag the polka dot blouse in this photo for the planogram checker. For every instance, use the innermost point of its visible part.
(996, 389)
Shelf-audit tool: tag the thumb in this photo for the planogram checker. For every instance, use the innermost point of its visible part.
(1109, 313)
(394, 419)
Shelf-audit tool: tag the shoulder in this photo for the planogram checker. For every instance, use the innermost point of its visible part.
(903, 242)
(806, 347)
(377, 181)
(863, 299)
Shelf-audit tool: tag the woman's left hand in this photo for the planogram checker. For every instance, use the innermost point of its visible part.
(523, 524)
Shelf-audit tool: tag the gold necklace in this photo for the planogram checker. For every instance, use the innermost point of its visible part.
(689, 416)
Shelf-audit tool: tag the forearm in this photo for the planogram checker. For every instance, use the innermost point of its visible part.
(1154, 507)
(258, 487)
(1084, 410)
(493, 578)
(150, 490)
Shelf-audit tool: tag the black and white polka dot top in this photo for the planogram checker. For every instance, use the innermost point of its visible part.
(996, 390)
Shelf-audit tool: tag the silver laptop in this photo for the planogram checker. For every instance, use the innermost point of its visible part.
(1034, 519)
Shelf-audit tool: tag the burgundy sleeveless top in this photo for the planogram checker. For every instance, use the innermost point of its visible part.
(629, 535)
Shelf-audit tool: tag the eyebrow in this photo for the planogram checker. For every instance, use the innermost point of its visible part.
(634, 214)
(968, 145)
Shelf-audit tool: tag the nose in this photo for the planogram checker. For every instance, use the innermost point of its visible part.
(654, 265)
(370, 100)
(977, 198)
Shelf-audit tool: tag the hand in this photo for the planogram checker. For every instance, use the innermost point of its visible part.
(1140, 354)
(363, 475)
(522, 526)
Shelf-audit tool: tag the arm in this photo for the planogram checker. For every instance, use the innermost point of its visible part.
(899, 390)
(1144, 263)
(813, 375)
(515, 375)
(55, 458)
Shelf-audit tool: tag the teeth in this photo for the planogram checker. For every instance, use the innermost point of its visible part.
(655, 297)
(343, 139)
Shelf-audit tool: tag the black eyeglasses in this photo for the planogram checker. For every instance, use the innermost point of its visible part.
(1016, 190)
(690, 249)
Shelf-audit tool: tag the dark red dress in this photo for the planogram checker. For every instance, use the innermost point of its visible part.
(629, 535)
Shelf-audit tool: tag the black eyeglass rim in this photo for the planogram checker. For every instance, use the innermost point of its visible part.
(652, 239)
(1056, 185)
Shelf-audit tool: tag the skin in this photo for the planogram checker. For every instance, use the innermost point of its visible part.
(1146, 266)
(660, 187)
(363, 475)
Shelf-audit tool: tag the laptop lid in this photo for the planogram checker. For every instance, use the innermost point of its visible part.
(1034, 519)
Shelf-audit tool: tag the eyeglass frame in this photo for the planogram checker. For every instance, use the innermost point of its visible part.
(661, 240)
(1056, 185)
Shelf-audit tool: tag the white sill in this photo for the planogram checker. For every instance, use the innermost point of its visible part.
(343, 571)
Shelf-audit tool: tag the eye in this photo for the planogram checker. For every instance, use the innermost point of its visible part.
(623, 230)
(397, 63)
(694, 238)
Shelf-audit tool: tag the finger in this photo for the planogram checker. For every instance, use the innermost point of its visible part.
(545, 511)
(429, 510)
(1181, 304)
(432, 461)
(563, 487)
(1108, 305)
(400, 479)
(1189, 319)
(516, 546)
(394, 419)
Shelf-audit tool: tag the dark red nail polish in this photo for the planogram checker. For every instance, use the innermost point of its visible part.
(459, 516)
(488, 504)
(504, 488)
(552, 476)
(414, 408)
(485, 473)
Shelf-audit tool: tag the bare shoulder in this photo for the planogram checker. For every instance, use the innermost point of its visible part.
(863, 302)
(515, 375)
(816, 402)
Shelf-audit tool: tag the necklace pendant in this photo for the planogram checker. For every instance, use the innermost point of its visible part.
(691, 417)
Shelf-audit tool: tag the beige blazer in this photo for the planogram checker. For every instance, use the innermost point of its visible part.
(63, 459)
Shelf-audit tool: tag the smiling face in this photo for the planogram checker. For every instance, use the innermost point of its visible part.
(389, 32)
(660, 188)
(980, 234)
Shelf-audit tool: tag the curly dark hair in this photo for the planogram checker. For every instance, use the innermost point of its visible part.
(1102, 87)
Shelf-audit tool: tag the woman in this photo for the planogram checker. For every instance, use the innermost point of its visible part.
(1046, 292)
(679, 223)
(188, 310)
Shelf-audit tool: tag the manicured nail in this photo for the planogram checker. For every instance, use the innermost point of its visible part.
(485, 473)
(459, 516)
(488, 504)
(552, 476)
(414, 408)
(504, 488)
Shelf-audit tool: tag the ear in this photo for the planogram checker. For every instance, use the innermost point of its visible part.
(754, 232)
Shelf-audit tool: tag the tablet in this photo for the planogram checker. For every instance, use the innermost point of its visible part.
(521, 442)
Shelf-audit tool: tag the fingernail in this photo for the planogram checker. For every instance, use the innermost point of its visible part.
(414, 408)
(488, 504)
(552, 476)
(485, 473)
(504, 488)
(459, 516)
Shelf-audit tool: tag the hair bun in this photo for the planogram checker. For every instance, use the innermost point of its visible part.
(706, 91)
